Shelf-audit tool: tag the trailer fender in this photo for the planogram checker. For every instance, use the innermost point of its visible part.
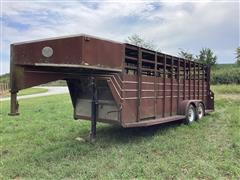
(184, 105)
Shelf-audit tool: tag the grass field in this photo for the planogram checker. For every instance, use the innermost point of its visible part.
(28, 92)
(41, 143)
(226, 89)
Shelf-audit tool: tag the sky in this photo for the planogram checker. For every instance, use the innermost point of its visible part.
(170, 25)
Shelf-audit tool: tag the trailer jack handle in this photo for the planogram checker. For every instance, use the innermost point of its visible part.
(14, 104)
(94, 110)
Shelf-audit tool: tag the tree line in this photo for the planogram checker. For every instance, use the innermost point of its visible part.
(221, 74)
(205, 56)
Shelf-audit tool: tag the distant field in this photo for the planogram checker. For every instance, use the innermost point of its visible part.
(41, 144)
(28, 92)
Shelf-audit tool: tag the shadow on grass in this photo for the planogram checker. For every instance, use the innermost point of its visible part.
(108, 136)
(120, 135)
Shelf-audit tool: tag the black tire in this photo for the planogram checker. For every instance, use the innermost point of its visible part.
(191, 114)
(200, 111)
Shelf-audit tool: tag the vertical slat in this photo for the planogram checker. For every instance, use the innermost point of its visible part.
(208, 84)
(203, 77)
(171, 86)
(184, 79)
(189, 83)
(139, 83)
(198, 81)
(178, 82)
(124, 60)
(124, 70)
(208, 75)
(194, 87)
(155, 85)
(164, 85)
(94, 109)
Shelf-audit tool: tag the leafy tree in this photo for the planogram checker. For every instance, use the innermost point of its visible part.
(207, 56)
(238, 56)
(186, 55)
(137, 40)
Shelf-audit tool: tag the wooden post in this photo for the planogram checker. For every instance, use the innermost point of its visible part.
(14, 104)
(13, 90)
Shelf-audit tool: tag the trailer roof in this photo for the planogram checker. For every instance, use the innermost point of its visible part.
(64, 37)
(91, 36)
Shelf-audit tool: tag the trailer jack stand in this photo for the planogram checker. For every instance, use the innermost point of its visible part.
(94, 110)
(14, 105)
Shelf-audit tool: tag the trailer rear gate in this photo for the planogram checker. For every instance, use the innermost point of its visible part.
(132, 86)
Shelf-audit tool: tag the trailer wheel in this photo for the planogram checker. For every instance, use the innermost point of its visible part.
(190, 114)
(200, 111)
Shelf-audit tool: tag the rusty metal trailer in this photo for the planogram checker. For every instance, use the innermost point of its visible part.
(114, 82)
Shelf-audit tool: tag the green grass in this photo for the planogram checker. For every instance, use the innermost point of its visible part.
(4, 78)
(226, 89)
(41, 143)
(29, 91)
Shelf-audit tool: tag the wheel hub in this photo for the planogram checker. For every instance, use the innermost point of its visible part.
(191, 115)
(200, 112)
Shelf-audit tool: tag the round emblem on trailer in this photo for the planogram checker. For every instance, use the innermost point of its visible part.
(47, 51)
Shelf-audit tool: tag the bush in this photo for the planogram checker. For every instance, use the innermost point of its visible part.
(225, 74)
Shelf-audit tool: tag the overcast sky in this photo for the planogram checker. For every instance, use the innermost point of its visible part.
(170, 25)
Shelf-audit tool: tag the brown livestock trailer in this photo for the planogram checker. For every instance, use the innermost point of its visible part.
(114, 82)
